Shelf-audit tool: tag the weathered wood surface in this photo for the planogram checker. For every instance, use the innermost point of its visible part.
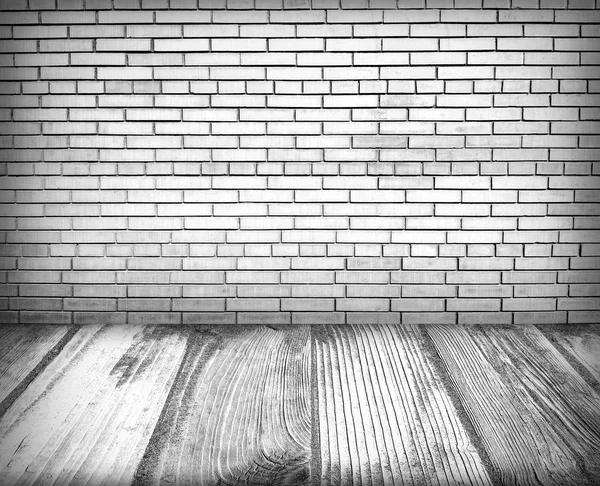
(538, 419)
(581, 343)
(384, 416)
(240, 411)
(87, 418)
(294, 405)
(21, 349)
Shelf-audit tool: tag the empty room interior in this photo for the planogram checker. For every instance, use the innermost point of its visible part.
(300, 242)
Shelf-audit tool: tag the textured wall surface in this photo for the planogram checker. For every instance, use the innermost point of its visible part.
(277, 161)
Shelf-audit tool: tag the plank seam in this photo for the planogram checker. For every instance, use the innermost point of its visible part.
(443, 374)
(39, 368)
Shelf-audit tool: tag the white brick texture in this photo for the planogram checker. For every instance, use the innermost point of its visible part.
(300, 161)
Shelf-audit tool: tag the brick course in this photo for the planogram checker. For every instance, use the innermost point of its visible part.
(289, 161)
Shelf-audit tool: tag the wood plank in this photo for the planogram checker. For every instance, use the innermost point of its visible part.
(538, 419)
(21, 350)
(239, 412)
(87, 418)
(580, 344)
(384, 415)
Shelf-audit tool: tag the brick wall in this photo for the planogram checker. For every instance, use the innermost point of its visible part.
(273, 161)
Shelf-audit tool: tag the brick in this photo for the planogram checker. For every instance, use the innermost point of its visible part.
(352, 45)
(270, 31)
(577, 16)
(410, 44)
(68, 18)
(67, 73)
(289, 161)
(11, 18)
(45, 317)
(241, 17)
(169, 318)
(185, 16)
(295, 45)
(348, 73)
(181, 45)
(41, 59)
(496, 58)
(314, 305)
(237, 45)
(362, 305)
(467, 44)
(411, 16)
(416, 72)
(575, 100)
(437, 30)
(300, 17)
(484, 291)
(153, 31)
(132, 16)
(264, 318)
(268, 59)
(466, 72)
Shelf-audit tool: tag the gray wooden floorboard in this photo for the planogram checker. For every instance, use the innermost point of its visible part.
(300, 405)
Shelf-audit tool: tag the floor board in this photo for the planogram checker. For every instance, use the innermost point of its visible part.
(300, 405)
(239, 412)
(581, 343)
(384, 416)
(21, 350)
(538, 419)
(87, 418)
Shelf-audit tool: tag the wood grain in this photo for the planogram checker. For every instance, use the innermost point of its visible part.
(87, 418)
(384, 416)
(538, 419)
(263, 405)
(579, 342)
(239, 412)
(21, 349)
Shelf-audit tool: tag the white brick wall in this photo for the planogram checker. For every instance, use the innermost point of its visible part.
(277, 161)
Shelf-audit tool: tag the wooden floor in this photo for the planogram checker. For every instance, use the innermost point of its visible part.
(300, 405)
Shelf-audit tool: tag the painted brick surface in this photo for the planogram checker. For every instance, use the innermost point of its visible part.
(282, 161)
